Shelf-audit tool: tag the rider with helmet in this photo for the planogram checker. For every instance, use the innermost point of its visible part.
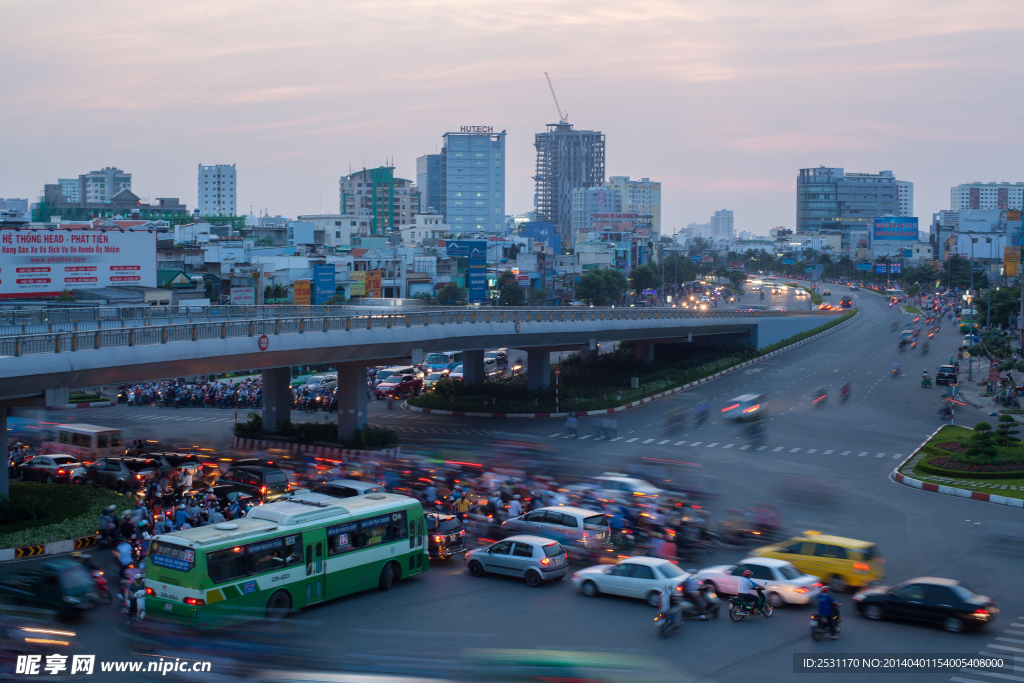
(825, 602)
(746, 590)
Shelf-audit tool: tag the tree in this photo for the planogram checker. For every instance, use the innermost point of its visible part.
(590, 288)
(981, 443)
(1005, 302)
(452, 295)
(510, 293)
(643, 277)
(266, 241)
(1005, 431)
(614, 284)
(336, 300)
(65, 297)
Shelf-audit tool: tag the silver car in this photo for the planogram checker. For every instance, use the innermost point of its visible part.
(532, 558)
(579, 525)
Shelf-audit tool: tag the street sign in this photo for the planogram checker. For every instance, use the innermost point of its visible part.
(558, 372)
(966, 355)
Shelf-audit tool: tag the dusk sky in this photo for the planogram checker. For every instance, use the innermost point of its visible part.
(722, 101)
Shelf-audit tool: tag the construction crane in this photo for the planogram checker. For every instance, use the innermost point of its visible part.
(562, 118)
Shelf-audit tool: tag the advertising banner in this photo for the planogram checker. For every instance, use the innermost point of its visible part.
(863, 266)
(475, 252)
(1011, 261)
(358, 287)
(949, 219)
(895, 228)
(908, 253)
(788, 261)
(735, 266)
(373, 278)
(243, 296)
(523, 280)
(44, 263)
(323, 282)
(708, 259)
(983, 220)
(302, 293)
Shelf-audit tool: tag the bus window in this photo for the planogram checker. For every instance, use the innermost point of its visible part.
(319, 560)
(83, 440)
(398, 530)
(341, 538)
(268, 556)
(226, 565)
(103, 441)
(65, 437)
(116, 440)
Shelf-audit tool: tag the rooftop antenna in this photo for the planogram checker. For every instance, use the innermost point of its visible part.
(562, 118)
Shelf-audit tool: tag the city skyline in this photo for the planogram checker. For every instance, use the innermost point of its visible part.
(731, 108)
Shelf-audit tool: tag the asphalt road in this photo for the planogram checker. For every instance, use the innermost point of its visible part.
(847, 449)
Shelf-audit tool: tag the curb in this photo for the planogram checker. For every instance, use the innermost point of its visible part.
(55, 548)
(319, 451)
(634, 404)
(903, 479)
(94, 404)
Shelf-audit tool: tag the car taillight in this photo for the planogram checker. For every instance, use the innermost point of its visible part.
(195, 601)
(802, 590)
(545, 561)
(438, 539)
(138, 476)
(263, 489)
(149, 591)
(584, 535)
(462, 532)
(981, 612)
(860, 567)
(60, 471)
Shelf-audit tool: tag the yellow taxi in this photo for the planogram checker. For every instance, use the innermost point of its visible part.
(841, 562)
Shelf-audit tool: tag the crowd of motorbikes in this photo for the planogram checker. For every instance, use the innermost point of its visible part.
(178, 394)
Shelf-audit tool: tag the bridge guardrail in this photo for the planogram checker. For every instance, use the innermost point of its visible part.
(70, 341)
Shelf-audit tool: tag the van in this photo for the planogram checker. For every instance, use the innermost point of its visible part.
(443, 360)
(88, 442)
(584, 527)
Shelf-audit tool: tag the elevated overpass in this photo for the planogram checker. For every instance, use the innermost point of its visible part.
(47, 352)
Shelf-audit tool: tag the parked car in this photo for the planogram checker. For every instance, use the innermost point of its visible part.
(265, 483)
(581, 526)
(784, 583)
(928, 599)
(121, 474)
(347, 488)
(532, 558)
(62, 469)
(400, 385)
(445, 535)
(643, 578)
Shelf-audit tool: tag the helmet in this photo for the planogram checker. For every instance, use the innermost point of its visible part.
(138, 577)
(110, 509)
(748, 573)
(824, 589)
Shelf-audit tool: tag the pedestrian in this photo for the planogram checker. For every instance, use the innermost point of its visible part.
(572, 424)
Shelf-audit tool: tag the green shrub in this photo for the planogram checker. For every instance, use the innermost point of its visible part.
(809, 333)
(316, 432)
(39, 513)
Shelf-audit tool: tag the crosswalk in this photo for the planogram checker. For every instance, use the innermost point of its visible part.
(722, 445)
(1010, 648)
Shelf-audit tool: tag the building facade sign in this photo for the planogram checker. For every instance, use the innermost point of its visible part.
(476, 129)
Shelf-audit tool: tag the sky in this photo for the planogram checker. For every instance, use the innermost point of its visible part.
(722, 101)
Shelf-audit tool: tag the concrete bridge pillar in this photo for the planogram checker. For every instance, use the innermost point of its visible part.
(473, 366)
(277, 397)
(645, 352)
(351, 399)
(538, 368)
(4, 484)
(58, 396)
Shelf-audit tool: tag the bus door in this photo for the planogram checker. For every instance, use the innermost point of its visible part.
(315, 572)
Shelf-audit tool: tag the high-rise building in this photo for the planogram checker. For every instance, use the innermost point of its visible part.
(904, 198)
(429, 180)
(699, 230)
(95, 186)
(641, 197)
(722, 226)
(473, 178)
(832, 199)
(375, 194)
(566, 159)
(218, 190)
(14, 205)
(986, 196)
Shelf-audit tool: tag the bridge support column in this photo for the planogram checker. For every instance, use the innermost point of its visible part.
(4, 484)
(277, 397)
(473, 366)
(58, 396)
(351, 399)
(645, 352)
(538, 368)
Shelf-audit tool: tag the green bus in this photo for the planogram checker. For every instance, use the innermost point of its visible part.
(284, 555)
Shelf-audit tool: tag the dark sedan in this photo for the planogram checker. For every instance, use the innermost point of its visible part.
(928, 599)
(445, 535)
(62, 469)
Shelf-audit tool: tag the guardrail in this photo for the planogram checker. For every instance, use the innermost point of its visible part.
(127, 335)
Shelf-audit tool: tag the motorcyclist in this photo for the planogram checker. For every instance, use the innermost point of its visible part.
(691, 589)
(825, 602)
(108, 522)
(895, 369)
(700, 412)
(671, 612)
(747, 591)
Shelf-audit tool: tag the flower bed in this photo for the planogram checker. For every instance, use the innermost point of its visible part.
(1015, 466)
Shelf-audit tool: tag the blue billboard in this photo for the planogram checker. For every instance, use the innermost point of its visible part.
(475, 252)
(863, 266)
(895, 228)
(544, 231)
(894, 267)
(880, 267)
(323, 283)
(788, 261)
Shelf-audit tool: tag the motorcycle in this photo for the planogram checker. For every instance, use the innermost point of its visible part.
(712, 603)
(668, 622)
(844, 393)
(820, 624)
(742, 606)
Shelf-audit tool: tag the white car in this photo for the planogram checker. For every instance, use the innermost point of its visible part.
(636, 577)
(611, 485)
(785, 584)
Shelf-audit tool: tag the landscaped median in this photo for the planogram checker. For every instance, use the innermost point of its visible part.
(459, 400)
(980, 463)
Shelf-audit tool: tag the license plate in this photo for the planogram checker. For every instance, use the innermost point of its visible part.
(559, 561)
(813, 622)
(451, 539)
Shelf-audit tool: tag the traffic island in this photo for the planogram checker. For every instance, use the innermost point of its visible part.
(980, 464)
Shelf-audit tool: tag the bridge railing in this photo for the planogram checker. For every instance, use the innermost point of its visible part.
(128, 335)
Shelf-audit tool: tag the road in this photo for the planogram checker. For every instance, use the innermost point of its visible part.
(846, 448)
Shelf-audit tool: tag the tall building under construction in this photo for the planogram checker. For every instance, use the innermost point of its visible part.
(567, 159)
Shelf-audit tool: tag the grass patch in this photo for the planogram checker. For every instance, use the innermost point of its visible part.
(911, 309)
(809, 333)
(316, 432)
(983, 482)
(42, 513)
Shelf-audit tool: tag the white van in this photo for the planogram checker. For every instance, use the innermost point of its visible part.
(88, 442)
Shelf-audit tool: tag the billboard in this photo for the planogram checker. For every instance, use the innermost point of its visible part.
(323, 282)
(894, 267)
(788, 261)
(880, 267)
(373, 278)
(1011, 261)
(895, 228)
(983, 220)
(243, 296)
(358, 287)
(37, 263)
(475, 251)
(863, 266)
(735, 265)
(302, 293)
(949, 218)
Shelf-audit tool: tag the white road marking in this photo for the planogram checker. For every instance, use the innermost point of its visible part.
(880, 455)
(616, 438)
(845, 453)
(829, 452)
(552, 436)
(861, 455)
(728, 445)
(898, 455)
(696, 443)
(812, 450)
(776, 450)
(647, 440)
(712, 445)
(585, 436)
(794, 450)
(678, 443)
(761, 448)
(635, 438)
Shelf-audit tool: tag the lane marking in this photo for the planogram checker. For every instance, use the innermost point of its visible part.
(635, 438)
(616, 438)
(678, 443)
(662, 443)
(647, 440)
(776, 450)
(898, 455)
(880, 455)
(794, 450)
(861, 455)
(845, 453)
(712, 445)
(696, 443)
(728, 445)
(812, 450)
(761, 448)
(829, 452)
(585, 436)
